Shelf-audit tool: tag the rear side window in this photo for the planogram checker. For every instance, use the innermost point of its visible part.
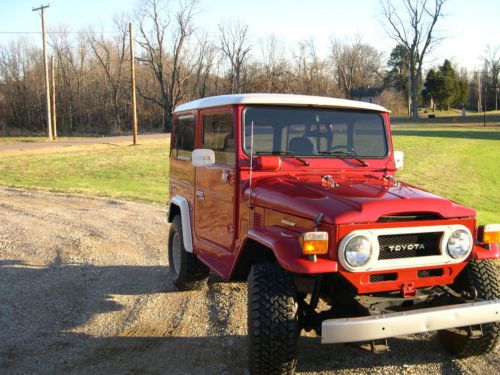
(218, 135)
(184, 137)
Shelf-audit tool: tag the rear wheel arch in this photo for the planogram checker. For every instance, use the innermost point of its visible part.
(179, 206)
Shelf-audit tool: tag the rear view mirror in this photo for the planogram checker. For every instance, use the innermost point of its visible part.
(203, 157)
(399, 159)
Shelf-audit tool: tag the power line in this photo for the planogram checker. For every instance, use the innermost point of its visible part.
(56, 32)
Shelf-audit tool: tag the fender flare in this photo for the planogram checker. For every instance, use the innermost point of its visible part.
(183, 206)
(289, 255)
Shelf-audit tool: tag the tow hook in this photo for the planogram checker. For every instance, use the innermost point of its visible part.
(408, 290)
(470, 294)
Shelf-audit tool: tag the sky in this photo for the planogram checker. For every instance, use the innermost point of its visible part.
(467, 28)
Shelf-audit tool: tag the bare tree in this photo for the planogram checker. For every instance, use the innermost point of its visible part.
(112, 55)
(310, 73)
(491, 60)
(355, 65)
(163, 34)
(235, 46)
(205, 59)
(274, 70)
(413, 26)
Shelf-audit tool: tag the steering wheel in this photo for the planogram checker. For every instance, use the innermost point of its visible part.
(340, 147)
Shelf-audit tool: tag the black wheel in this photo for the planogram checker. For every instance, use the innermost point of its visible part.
(273, 327)
(483, 276)
(187, 271)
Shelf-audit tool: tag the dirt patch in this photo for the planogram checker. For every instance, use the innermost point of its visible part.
(84, 288)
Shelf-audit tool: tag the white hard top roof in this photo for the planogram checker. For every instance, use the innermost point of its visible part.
(277, 99)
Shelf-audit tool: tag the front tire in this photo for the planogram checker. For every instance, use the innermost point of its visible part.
(273, 327)
(187, 270)
(483, 276)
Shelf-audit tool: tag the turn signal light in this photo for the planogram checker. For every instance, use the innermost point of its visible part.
(489, 234)
(313, 243)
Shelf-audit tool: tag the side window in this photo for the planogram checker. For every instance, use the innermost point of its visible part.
(218, 135)
(184, 137)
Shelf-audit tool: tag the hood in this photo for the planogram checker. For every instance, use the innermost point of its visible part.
(355, 199)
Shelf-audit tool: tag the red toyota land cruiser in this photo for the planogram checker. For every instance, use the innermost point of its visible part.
(298, 195)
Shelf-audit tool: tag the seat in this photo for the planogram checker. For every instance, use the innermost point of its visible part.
(301, 146)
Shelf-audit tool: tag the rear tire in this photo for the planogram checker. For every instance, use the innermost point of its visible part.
(187, 270)
(273, 327)
(483, 276)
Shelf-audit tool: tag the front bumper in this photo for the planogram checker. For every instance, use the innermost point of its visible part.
(409, 322)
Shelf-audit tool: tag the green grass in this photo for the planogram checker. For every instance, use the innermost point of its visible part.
(455, 162)
(123, 171)
(458, 163)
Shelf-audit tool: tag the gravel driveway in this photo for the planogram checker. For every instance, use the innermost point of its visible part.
(84, 288)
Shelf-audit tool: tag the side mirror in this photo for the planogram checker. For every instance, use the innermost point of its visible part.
(399, 157)
(203, 157)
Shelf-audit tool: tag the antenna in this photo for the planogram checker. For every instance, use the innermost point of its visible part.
(251, 165)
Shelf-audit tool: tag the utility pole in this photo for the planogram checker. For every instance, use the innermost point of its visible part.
(479, 100)
(496, 98)
(484, 108)
(46, 67)
(54, 112)
(409, 91)
(132, 78)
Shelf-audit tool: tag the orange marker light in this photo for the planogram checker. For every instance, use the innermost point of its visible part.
(314, 243)
(489, 233)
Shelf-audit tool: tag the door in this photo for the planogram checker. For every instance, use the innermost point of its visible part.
(215, 186)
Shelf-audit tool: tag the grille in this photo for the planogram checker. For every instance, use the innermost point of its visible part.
(383, 277)
(430, 273)
(397, 246)
(407, 217)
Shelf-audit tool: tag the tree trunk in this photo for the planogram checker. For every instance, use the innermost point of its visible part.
(167, 114)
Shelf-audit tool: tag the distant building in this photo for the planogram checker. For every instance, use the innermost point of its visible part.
(367, 94)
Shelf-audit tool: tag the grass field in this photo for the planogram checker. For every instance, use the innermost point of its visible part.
(459, 163)
(118, 171)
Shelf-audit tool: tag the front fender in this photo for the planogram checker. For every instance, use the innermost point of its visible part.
(482, 253)
(289, 254)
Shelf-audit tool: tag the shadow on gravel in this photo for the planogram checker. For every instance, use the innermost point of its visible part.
(71, 294)
(403, 354)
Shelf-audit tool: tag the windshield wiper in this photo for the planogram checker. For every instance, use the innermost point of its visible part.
(286, 153)
(345, 155)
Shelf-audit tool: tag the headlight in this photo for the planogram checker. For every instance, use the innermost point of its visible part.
(358, 251)
(459, 244)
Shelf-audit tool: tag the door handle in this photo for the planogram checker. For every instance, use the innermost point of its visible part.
(200, 194)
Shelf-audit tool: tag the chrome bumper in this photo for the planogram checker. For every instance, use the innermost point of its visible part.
(405, 323)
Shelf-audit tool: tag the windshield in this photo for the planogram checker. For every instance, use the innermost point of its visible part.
(319, 132)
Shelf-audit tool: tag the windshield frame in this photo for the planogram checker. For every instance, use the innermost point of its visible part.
(319, 156)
